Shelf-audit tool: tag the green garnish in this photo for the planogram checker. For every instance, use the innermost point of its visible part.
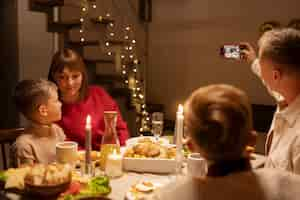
(98, 186)
(3, 176)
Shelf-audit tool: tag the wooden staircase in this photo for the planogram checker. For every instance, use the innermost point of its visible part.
(106, 46)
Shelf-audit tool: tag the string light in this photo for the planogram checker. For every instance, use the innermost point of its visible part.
(124, 72)
(131, 56)
(130, 48)
(111, 24)
(82, 39)
(112, 34)
(138, 89)
(81, 19)
(134, 70)
(126, 81)
(109, 53)
(126, 37)
(124, 66)
(107, 44)
(127, 28)
(107, 15)
(122, 56)
(133, 41)
(94, 6)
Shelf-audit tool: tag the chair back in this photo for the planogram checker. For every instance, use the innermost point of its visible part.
(7, 138)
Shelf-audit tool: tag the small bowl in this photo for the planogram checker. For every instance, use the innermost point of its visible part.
(46, 190)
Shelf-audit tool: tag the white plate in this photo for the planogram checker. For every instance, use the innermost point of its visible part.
(134, 140)
(152, 165)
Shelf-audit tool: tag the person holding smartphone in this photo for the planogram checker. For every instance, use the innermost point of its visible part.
(278, 65)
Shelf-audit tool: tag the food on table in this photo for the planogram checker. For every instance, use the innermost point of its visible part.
(46, 175)
(95, 155)
(97, 186)
(150, 149)
(14, 178)
(141, 190)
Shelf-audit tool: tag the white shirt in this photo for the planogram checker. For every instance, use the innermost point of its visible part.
(261, 184)
(284, 152)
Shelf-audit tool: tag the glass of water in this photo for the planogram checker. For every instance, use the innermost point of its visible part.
(157, 124)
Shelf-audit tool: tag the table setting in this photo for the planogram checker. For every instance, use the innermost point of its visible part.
(133, 172)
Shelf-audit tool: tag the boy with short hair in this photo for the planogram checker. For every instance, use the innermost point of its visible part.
(38, 101)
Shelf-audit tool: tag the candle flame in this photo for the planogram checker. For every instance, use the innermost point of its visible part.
(114, 152)
(88, 119)
(180, 108)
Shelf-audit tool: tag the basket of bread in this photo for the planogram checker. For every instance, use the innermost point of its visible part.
(37, 180)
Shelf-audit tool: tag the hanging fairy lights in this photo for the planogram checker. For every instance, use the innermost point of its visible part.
(84, 7)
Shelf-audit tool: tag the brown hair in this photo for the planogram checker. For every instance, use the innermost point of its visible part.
(282, 46)
(30, 94)
(219, 120)
(72, 60)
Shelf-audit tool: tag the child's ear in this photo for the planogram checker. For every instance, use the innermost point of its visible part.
(43, 110)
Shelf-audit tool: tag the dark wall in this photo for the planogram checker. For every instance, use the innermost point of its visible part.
(8, 62)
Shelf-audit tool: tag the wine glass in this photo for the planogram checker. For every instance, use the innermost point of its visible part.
(157, 124)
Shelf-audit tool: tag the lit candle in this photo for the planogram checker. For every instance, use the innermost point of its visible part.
(179, 137)
(113, 166)
(88, 145)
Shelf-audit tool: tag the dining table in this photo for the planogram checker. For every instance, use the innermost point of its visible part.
(121, 185)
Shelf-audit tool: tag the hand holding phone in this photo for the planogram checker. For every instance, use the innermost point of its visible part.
(232, 51)
(248, 53)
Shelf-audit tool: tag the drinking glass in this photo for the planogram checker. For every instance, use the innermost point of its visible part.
(157, 124)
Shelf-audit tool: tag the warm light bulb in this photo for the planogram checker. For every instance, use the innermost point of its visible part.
(130, 47)
(126, 81)
(111, 24)
(109, 53)
(126, 37)
(107, 44)
(124, 72)
(81, 19)
(131, 56)
(127, 28)
(134, 70)
(124, 66)
(138, 89)
(107, 15)
(133, 41)
(83, 9)
(112, 34)
(94, 6)
(80, 31)
(82, 39)
(122, 56)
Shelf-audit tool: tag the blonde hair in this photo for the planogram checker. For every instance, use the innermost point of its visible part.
(282, 46)
(219, 120)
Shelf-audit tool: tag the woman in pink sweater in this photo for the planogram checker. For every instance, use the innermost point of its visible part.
(69, 72)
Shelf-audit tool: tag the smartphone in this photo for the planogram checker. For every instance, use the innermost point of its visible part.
(231, 51)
